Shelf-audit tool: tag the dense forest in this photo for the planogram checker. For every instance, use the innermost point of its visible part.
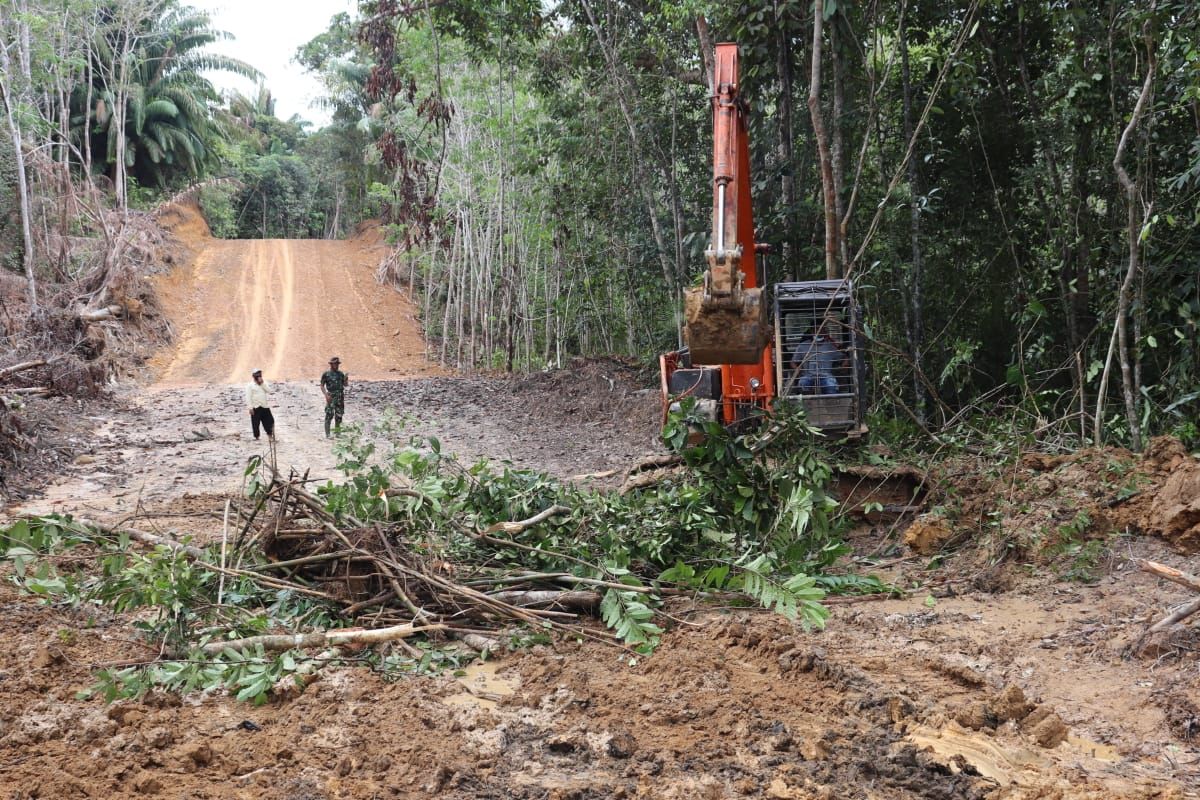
(1013, 187)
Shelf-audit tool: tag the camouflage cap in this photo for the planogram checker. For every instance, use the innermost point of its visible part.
(335, 360)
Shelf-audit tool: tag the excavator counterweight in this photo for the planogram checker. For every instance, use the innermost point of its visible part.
(726, 316)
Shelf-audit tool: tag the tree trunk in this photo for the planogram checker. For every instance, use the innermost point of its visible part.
(1133, 230)
(706, 53)
(838, 145)
(11, 98)
(832, 270)
(915, 322)
(787, 156)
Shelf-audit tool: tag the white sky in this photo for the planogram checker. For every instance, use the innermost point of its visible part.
(266, 35)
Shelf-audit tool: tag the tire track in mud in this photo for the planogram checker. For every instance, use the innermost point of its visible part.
(250, 297)
(284, 323)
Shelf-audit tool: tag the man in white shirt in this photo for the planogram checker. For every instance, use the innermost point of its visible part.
(257, 400)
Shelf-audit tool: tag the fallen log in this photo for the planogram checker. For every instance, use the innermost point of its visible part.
(100, 314)
(608, 473)
(284, 641)
(655, 462)
(539, 598)
(143, 537)
(1178, 614)
(650, 471)
(475, 641)
(1170, 574)
(24, 365)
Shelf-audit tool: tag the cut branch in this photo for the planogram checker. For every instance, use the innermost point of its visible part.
(518, 527)
(575, 600)
(24, 365)
(277, 642)
(1170, 574)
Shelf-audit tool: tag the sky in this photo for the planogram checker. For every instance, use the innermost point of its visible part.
(266, 34)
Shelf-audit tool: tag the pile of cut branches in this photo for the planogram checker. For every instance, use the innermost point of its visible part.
(426, 561)
(373, 575)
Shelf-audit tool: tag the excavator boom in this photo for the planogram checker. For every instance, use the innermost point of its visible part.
(726, 315)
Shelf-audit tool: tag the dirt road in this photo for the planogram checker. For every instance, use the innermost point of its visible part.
(286, 306)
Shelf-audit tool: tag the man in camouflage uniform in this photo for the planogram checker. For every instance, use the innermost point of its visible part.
(333, 386)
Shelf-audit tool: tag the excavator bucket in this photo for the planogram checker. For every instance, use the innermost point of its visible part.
(726, 333)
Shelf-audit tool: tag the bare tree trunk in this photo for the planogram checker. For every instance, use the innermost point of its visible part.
(1134, 225)
(786, 154)
(670, 169)
(706, 53)
(915, 322)
(89, 80)
(11, 96)
(838, 145)
(832, 270)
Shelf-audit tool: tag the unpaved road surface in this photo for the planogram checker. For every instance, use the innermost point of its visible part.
(897, 699)
(286, 307)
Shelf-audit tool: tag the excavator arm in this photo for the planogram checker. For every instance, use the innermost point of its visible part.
(726, 315)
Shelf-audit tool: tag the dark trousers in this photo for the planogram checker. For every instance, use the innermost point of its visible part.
(262, 416)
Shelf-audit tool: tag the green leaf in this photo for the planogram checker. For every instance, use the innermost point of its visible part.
(629, 618)
(678, 573)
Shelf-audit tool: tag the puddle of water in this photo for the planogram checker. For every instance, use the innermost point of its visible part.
(482, 687)
(1004, 765)
(1096, 750)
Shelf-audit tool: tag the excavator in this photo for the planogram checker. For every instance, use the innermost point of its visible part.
(750, 344)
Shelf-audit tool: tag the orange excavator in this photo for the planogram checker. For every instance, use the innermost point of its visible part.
(749, 343)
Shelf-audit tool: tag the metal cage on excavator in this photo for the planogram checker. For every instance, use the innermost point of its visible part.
(819, 352)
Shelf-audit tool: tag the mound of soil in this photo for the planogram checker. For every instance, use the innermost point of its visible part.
(605, 390)
(185, 221)
(1169, 506)
(1046, 505)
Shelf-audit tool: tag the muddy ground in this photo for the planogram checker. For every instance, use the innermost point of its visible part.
(987, 680)
(1012, 666)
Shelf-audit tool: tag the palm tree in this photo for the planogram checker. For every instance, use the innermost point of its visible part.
(154, 68)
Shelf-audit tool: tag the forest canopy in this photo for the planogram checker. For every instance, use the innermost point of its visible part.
(1012, 186)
